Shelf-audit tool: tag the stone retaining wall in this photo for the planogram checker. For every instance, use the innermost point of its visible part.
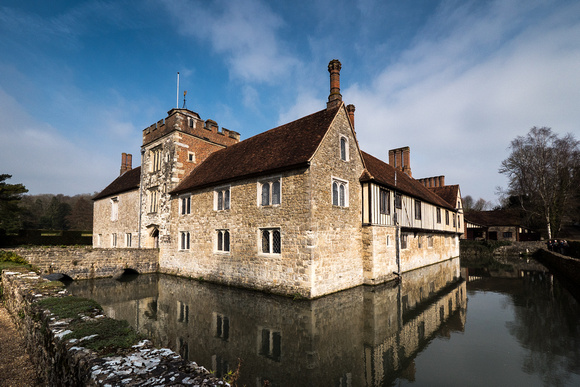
(88, 262)
(566, 266)
(63, 362)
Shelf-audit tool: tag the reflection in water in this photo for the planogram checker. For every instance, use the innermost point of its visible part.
(519, 331)
(362, 336)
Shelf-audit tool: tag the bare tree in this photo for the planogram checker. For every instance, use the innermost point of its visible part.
(480, 205)
(544, 172)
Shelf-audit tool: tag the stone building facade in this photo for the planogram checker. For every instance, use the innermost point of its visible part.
(298, 209)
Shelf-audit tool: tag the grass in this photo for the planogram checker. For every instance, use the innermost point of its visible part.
(10, 260)
(70, 307)
(112, 335)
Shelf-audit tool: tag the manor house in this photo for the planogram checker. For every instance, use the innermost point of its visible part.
(298, 209)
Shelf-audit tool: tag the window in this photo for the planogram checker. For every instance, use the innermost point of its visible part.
(454, 220)
(430, 241)
(153, 193)
(270, 344)
(384, 201)
(114, 208)
(114, 240)
(417, 209)
(271, 241)
(223, 240)
(191, 157)
(447, 217)
(99, 240)
(459, 221)
(222, 327)
(339, 193)
(184, 238)
(182, 312)
(420, 242)
(191, 122)
(404, 238)
(222, 199)
(344, 149)
(270, 192)
(438, 215)
(507, 234)
(185, 205)
(398, 200)
(156, 159)
(128, 239)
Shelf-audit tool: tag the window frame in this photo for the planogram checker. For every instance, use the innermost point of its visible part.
(344, 148)
(269, 184)
(438, 215)
(185, 205)
(153, 199)
(114, 209)
(184, 241)
(342, 197)
(223, 240)
(417, 209)
(223, 203)
(271, 240)
(114, 239)
(447, 217)
(384, 203)
(404, 241)
(128, 239)
(156, 155)
(398, 200)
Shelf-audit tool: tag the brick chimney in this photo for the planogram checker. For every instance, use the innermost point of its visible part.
(350, 111)
(400, 159)
(335, 98)
(126, 162)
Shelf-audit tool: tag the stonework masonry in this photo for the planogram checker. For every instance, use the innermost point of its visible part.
(87, 262)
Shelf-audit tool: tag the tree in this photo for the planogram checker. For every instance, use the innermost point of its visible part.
(10, 195)
(544, 173)
(480, 205)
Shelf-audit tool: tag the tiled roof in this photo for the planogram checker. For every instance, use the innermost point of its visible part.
(288, 146)
(494, 218)
(126, 182)
(449, 193)
(384, 174)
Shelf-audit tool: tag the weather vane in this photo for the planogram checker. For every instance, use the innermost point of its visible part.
(184, 94)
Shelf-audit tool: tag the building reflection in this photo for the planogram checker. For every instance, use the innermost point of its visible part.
(362, 336)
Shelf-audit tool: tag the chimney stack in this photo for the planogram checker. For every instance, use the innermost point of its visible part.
(350, 109)
(335, 98)
(400, 159)
(126, 162)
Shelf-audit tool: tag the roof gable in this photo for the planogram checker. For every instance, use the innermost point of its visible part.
(126, 182)
(384, 174)
(288, 146)
(449, 193)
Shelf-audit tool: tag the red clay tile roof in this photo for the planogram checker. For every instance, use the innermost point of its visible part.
(126, 182)
(289, 146)
(494, 218)
(449, 193)
(384, 174)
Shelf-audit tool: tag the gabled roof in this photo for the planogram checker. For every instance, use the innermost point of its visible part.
(384, 174)
(126, 182)
(494, 218)
(289, 146)
(449, 193)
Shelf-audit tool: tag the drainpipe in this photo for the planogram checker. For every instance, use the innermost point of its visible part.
(398, 245)
(140, 199)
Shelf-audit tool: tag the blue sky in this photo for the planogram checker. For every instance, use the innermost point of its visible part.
(454, 80)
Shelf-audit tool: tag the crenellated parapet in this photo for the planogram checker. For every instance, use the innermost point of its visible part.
(187, 121)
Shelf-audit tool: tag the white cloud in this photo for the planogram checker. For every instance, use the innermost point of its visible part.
(44, 160)
(470, 85)
(244, 31)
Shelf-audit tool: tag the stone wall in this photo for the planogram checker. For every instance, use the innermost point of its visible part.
(126, 222)
(566, 266)
(62, 362)
(88, 262)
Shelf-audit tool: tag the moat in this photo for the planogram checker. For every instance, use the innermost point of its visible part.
(431, 328)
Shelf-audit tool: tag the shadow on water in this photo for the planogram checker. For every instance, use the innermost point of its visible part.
(365, 336)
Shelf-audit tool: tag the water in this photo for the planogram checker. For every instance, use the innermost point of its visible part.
(430, 329)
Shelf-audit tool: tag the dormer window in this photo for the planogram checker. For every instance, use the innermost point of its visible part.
(343, 148)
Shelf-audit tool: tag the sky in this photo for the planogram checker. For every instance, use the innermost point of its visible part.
(455, 81)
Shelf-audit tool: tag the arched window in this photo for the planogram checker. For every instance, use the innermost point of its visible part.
(335, 193)
(343, 149)
(265, 194)
(270, 192)
(276, 192)
(339, 193)
(220, 200)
